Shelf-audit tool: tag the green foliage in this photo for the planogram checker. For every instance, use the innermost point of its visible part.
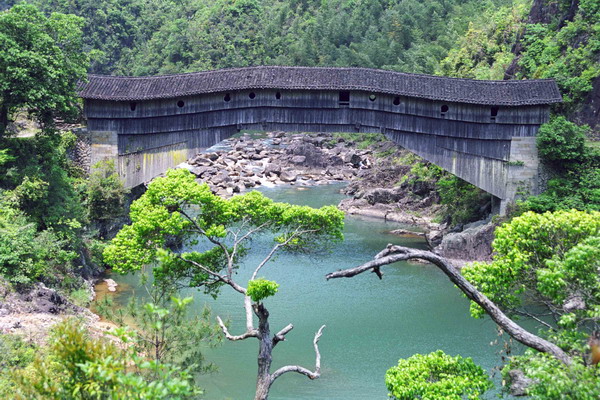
(567, 53)
(178, 206)
(552, 380)
(436, 376)
(41, 62)
(485, 51)
(165, 328)
(547, 256)
(105, 193)
(462, 201)
(78, 367)
(26, 254)
(260, 289)
(16, 353)
(561, 141)
(148, 37)
(576, 182)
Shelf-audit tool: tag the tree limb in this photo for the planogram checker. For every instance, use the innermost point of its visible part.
(392, 254)
(245, 335)
(301, 370)
(280, 336)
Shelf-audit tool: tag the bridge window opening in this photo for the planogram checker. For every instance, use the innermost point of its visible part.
(344, 98)
(444, 109)
(252, 95)
(396, 101)
(227, 98)
(278, 95)
(133, 105)
(372, 97)
(180, 104)
(494, 112)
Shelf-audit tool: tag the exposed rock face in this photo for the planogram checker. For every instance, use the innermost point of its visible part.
(590, 111)
(474, 243)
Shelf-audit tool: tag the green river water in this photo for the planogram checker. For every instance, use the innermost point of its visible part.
(371, 323)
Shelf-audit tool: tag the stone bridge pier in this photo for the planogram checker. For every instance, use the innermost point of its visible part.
(481, 131)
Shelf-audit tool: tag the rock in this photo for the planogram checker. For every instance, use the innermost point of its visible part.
(407, 233)
(574, 302)
(288, 175)
(111, 285)
(472, 244)
(298, 159)
(382, 196)
(272, 168)
(201, 161)
(314, 155)
(519, 382)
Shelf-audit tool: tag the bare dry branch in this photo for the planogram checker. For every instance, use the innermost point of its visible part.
(280, 336)
(301, 370)
(392, 254)
(245, 335)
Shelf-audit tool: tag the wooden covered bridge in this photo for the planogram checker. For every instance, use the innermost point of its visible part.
(482, 131)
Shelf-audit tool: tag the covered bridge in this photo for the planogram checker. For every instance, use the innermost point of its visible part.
(482, 131)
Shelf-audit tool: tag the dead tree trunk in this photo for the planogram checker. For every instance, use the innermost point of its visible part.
(265, 351)
(393, 254)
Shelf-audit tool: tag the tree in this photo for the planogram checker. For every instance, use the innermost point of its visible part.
(40, 64)
(436, 376)
(176, 206)
(548, 260)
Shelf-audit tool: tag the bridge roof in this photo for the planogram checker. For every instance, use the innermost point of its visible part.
(508, 93)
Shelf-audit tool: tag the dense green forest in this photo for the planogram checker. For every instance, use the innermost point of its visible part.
(52, 215)
(145, 37)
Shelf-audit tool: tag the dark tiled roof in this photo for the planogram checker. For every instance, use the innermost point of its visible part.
(510, 93)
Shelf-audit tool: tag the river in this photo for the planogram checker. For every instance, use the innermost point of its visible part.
(371, 323)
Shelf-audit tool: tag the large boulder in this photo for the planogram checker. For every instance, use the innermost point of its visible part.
(314, 156)
(382, 196)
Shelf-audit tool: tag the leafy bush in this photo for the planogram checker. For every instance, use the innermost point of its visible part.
(561, 141)
(26, 255)
(436, 376)
(462, 201)
(260, 289)
(105, 193)
(79, 367)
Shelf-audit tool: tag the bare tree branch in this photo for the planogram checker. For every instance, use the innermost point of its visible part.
(297, 232)
(280, 336)
(393, 254)
(301, 370)
(245, 335)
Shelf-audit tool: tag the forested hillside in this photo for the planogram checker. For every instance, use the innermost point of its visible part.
(145, 37)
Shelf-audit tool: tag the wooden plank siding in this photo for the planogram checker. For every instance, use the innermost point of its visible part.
(471, 140)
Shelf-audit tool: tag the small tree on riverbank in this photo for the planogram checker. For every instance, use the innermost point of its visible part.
(177, 206)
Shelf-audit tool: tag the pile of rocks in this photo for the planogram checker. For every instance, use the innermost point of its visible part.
(298, 159)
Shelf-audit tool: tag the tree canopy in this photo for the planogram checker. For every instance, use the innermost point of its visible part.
(42, 60)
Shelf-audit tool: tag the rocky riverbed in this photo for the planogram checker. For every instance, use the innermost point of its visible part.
(377, 181)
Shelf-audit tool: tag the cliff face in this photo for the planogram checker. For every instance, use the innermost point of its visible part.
(589, 112)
